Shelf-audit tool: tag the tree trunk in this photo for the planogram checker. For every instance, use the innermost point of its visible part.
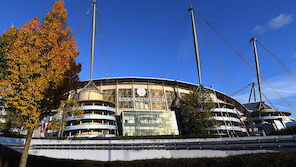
(23, 160)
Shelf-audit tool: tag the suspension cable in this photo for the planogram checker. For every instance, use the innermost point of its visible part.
(176, 61)
(176, 43)
(105, 54)
(268, 100)
(215, 58)
(77, 31)
(278, 61)
(265, 81)
(181, 61)
(168, 47)
(241, 89)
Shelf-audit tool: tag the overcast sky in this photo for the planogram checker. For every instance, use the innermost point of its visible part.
(153, 38)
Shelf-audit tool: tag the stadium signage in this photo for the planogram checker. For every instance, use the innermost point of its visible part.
(146, 121)
(141, 91)
(140, 99)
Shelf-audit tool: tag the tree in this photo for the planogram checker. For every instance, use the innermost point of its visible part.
(11, 123)
(41, 69)
(6, 41)
(11, 119)
(196, 106)
(68, 108)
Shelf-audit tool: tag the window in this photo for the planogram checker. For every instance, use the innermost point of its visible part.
(125, 93)
(109, 95)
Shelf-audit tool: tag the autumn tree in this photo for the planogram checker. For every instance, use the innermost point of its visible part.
(197, 107)
(6, 41)
(41, 69)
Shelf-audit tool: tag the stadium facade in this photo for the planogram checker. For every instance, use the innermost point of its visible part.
(136, 106)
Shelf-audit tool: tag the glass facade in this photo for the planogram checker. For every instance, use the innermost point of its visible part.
(149, 99)
(149, 123)
(125, 93)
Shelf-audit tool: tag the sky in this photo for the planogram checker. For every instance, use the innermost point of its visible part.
(153, 38)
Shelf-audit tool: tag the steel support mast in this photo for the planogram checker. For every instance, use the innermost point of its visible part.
(195, 44)
(257, 68)
(93, 39)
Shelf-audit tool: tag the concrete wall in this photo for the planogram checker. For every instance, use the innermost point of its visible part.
(129, 155)
(127, 150)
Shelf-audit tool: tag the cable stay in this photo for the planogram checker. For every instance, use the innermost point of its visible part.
(167, 53)
(105, 55)
(179, 41)
(175, 47)
(83, 58)
(278, 61)
(180, 62)
(250, 66)
(216, 65)
(267, 99)
(177, 63)
(220, 68)
(77, 31)
(240, 90)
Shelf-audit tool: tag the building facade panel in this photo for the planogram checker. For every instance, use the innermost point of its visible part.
(149, 123)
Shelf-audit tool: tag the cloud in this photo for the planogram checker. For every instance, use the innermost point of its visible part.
(275, 23)
(259, 29)
(285, 86)
(280, 21)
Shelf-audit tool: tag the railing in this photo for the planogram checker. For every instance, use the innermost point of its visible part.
(92, 135)
(225, 110)
(266, 118)
(78, 127)
(91, 116)
(93, 123)
(223, 127)
(220, 118)
(95, 107)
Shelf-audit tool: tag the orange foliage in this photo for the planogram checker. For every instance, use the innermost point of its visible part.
(41, 66)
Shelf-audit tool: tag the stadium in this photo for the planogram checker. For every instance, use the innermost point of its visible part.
(136, 106)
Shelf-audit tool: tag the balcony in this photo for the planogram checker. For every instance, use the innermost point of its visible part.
(89, 126)
(95, 107)
(92, 116)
